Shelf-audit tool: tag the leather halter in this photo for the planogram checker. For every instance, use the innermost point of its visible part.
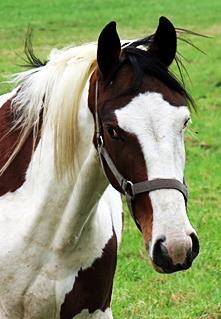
(129, 188)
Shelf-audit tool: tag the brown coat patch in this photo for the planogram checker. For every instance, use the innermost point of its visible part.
(14, 176)
(93, 287)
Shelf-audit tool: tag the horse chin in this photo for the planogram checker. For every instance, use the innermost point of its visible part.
(161, 270)
(170, 270)
(157, 268)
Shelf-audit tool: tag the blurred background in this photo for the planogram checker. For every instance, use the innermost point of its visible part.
(139, 292)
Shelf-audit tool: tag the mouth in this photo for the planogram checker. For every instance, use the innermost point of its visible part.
(171, 269)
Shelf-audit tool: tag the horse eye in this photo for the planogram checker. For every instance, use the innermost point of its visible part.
(113, 133)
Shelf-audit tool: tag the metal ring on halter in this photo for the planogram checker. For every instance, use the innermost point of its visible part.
(100, 141)
(127, 186)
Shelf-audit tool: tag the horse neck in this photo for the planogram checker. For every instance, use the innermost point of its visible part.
(69, 202)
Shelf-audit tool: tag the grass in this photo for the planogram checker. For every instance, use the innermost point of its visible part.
(139, 292)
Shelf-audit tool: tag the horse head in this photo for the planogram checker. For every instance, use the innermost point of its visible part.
(140, 111)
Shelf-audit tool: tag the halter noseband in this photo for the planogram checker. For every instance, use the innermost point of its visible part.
(129, 188)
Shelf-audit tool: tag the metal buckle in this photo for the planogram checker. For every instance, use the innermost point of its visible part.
(127, 187)
(100, 141)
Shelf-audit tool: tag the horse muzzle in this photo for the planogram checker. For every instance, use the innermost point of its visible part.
(169, 256)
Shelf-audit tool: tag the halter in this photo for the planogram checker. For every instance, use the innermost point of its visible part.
(129, 188)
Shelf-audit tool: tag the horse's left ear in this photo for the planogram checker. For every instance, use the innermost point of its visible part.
(164, 42)
(109, 48)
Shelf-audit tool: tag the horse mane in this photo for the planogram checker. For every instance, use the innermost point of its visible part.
(31, 60)
(50, 93)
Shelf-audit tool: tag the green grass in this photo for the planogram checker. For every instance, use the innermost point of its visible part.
(139, 292)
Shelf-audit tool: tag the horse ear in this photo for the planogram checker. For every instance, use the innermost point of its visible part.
(109, 48)
(164, 42)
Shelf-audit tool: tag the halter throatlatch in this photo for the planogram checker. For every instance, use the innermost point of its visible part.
(129, 188)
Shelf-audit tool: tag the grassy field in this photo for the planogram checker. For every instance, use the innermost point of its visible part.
(139, 292)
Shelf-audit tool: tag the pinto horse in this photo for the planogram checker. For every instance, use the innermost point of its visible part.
(90, 124)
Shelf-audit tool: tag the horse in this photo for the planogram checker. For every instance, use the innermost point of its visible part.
(92, 123)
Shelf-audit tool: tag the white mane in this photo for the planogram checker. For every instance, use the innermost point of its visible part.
(52, 93)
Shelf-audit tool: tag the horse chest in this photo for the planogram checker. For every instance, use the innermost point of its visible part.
(34, 273)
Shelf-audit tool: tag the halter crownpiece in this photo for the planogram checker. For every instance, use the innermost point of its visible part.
(129, 188)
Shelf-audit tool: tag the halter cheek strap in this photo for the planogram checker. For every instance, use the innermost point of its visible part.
(130, 189)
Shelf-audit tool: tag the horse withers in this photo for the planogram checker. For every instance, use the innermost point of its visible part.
(93, 122)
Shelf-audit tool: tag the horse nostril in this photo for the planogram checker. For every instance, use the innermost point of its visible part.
(160, 253)
(195, 245)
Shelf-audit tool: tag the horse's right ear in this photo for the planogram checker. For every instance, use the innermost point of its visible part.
(164, 43)
(108, 50)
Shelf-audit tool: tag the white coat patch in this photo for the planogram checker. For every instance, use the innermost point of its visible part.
(5, 97)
